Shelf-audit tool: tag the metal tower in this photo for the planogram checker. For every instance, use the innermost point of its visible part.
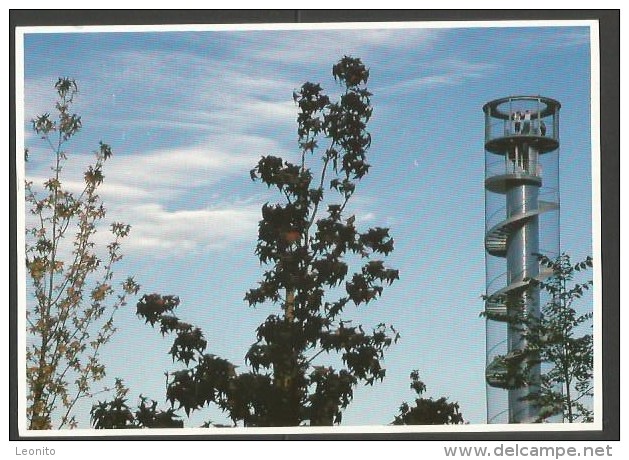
(521, 221)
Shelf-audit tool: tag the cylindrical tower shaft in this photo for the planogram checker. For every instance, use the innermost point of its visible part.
(522, 263)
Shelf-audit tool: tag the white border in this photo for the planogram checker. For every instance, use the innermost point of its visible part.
(596, 226)
(304, 26)
(597, 278)
(20, 174)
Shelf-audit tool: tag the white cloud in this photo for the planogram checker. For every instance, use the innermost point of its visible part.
(366, 217)
(217, 158)
(176, 232)
(536, 41)
(445, 72)
(234, 106)
(168, 171)
(574, 38)
(176, 169)
(138, 189)
(326, 46)
(238, 118)
(182, 232)
(164, 193)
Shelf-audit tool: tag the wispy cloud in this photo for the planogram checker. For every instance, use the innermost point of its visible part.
(166, 195)
(208, 119)
(214, 114)
(326, 46)
(189, 168)
(571, 38)
(192, 230)
(538, 41)
(443, 73)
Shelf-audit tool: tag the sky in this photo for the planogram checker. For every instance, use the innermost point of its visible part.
(189, 113)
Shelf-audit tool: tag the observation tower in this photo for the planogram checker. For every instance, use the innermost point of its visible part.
(521, 221)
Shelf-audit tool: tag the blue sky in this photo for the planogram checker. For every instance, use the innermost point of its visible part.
(188, 114)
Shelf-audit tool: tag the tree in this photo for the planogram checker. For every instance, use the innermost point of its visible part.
(309, 253)
(427, 411)
(117, 414)
(70, 313)
(553, 340)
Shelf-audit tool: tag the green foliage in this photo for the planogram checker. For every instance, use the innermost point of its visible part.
(427, 411)
(310, 247)
(553, 340)
(72, 287)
